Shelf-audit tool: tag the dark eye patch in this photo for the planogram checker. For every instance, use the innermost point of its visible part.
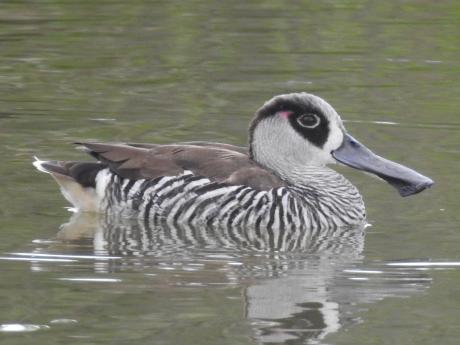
(313, 126)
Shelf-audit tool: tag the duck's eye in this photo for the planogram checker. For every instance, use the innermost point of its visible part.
(309, 120)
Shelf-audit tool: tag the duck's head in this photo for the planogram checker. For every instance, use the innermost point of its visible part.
(296, 131)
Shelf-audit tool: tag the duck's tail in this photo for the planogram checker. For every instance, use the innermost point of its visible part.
(77, 181)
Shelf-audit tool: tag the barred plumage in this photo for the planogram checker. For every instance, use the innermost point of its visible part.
(197, 201)
(281, 181)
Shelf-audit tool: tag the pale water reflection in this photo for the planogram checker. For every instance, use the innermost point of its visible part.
(16, 327)
(296, 296)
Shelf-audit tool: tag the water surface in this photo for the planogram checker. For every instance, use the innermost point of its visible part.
(170, 71)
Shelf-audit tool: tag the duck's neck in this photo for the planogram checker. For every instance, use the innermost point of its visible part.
(324, 191)
(320, 179)
(294, 169)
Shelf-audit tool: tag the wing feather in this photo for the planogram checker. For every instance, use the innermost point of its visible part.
(219, 162)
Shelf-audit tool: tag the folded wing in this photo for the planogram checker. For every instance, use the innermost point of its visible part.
(219, 162)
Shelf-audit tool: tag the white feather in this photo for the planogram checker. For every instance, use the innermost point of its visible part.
(83, 199)
(38, 165)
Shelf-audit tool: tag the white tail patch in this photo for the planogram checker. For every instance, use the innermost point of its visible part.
(82, 198)
(38, 165)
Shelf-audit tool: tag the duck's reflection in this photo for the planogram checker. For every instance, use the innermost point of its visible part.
(118, 235)
(298, 286)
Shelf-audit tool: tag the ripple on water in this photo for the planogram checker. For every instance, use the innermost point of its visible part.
(442, 126)
(91, 280)
(63, 321)
(18, 327)
(425, 264)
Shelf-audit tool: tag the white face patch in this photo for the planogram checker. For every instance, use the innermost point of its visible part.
(335, 138)
(277, 145)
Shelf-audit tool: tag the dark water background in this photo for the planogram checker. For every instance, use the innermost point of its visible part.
(163, 71)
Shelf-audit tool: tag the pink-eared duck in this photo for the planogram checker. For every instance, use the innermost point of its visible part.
(281, 180)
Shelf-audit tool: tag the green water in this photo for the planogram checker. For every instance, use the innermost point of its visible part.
(168, 71)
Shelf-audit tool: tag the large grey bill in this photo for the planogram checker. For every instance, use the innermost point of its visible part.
(358, 156)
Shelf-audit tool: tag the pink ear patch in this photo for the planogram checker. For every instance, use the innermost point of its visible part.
(285, 114)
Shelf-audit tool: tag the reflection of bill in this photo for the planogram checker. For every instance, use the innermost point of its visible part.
(311, 302)
(293, 307)
(298, 286)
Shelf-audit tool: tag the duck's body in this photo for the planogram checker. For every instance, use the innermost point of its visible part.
(240, 193)
(187, 198)
(282, 180)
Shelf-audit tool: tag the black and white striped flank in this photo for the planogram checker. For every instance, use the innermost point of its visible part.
(196, 201)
